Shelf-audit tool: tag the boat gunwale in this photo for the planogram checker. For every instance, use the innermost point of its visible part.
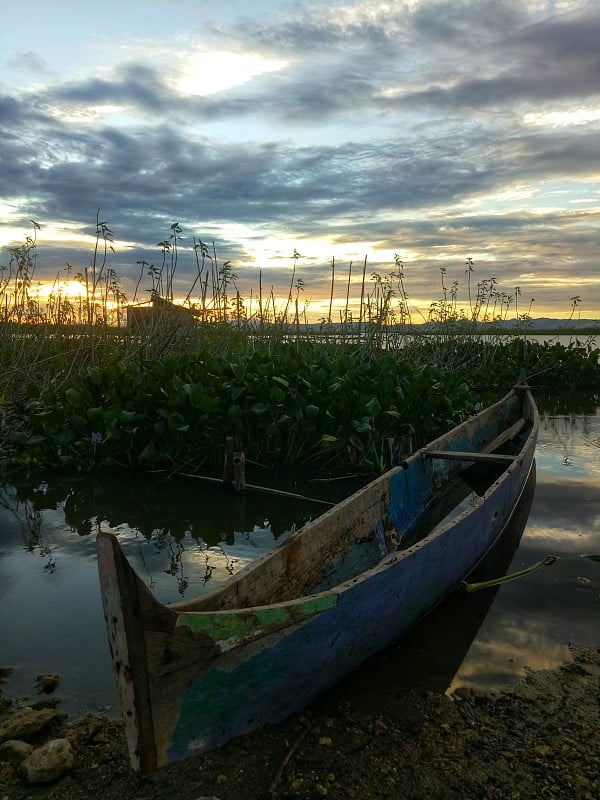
(395, 556)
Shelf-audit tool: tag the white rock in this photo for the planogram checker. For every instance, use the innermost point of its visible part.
(49, 762)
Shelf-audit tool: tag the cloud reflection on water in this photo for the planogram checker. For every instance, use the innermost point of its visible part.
(533, 619)
(566, 507)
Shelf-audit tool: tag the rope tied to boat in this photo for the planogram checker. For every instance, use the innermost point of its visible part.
(545, 562)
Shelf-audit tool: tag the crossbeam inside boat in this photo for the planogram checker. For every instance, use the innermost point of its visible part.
(460, 455)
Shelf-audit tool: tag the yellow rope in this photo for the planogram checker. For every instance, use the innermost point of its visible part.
(545, 562)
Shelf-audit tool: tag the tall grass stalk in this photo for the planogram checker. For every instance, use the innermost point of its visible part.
(44, 343)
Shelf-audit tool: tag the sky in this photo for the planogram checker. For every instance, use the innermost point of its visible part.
(342, 131)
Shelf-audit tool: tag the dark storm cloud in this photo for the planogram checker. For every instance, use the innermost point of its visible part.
(560, 39)
(465, 25)
(15, 113)
(554, 154)
(554, 60)
(133, 84)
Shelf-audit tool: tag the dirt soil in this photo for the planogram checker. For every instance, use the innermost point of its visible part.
(539, 740)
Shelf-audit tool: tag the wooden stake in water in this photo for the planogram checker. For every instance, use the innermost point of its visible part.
(239, 472)
(228, 464)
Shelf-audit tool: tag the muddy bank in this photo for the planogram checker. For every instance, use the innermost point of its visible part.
(541, 739)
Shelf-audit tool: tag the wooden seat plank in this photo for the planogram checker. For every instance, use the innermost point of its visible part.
(459, 455)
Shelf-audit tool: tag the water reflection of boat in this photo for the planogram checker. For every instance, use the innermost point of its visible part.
(196, 673)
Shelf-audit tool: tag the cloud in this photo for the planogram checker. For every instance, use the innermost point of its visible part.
(465, 25)
(144, 174)
(366, 62)
(28, 62)
(133, 84)
(549, 61)
(383, 175)
(401, 126)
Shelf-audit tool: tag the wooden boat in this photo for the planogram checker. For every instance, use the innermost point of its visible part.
(194, 674)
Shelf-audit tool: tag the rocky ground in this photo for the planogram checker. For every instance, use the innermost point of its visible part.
(539, 740)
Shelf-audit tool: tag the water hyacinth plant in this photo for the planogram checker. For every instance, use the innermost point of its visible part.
(80, 388)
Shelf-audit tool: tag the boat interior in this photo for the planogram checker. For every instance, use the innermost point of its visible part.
(353, 536)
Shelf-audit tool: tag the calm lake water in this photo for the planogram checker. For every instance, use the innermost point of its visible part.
(184, 535)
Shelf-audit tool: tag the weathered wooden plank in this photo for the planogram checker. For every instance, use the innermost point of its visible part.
(506, 435)
(123, 596)
(459, 455)
(486, 453)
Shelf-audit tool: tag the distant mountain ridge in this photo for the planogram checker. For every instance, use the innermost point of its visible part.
(547, 323)
(543, 324)
(533, 324)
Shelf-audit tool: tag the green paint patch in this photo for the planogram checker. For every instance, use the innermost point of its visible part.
(223, 625)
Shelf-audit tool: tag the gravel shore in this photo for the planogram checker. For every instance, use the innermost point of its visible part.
(539, 740)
